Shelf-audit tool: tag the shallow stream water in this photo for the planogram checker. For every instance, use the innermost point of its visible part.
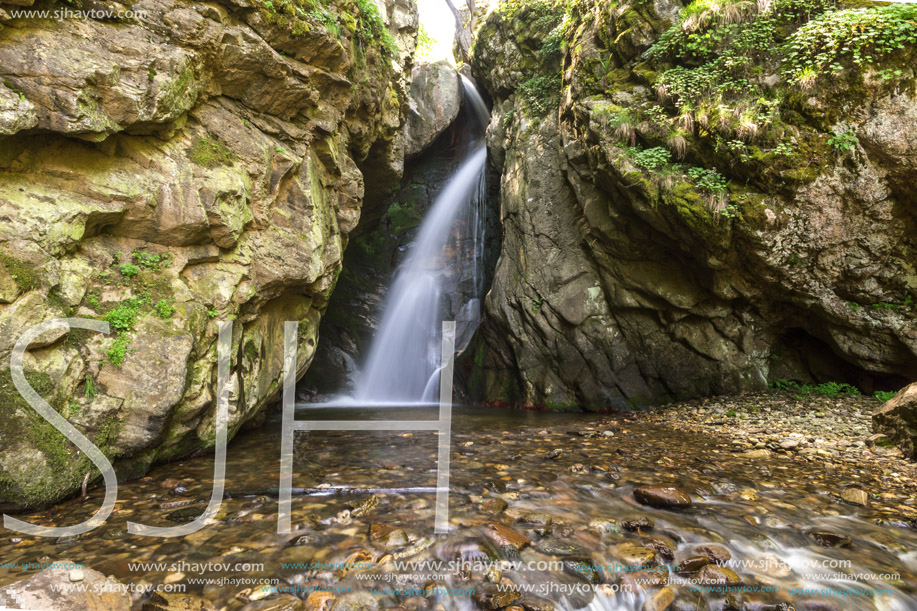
(567, 485)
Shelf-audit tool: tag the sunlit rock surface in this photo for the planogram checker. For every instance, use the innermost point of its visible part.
(200, 165)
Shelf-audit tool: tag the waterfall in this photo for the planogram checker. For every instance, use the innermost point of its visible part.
(440, 279)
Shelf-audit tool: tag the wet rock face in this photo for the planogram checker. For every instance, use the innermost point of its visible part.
(897, 419)
(628, 279)
(436, 96)
(198, 166)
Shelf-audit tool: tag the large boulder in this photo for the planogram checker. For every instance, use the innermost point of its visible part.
(204, 164)
(436, 97)
(897, 418)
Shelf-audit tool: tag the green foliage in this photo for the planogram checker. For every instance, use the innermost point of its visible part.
(825, 389)
(128, 270)
(542, 93)
(371, 28)
(536, 304)
(884, 305)
(539, 12)
(210, 153)
(708, 180)
(425, 44)
(553, 43)
(164, 308)
(652, 158)
(508, 118)
(861, 35)
(90, 390)
(124, 316)
(843, 142)
(212, 313)
(884, 395)
(152, 261)
(401, 216)
(118, 349)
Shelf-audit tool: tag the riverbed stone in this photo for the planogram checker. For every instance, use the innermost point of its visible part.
(506, 537)
(387, 535)
(855, 496)
(717, 554)
(712, 574)
(827, 538)
(666, 497)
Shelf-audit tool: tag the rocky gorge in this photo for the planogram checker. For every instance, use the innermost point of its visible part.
(696, 235)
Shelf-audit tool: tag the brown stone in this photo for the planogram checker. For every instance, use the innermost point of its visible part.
(504, 536)
(666, 497)
(717, 554)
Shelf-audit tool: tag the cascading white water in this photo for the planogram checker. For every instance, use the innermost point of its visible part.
(404, 357)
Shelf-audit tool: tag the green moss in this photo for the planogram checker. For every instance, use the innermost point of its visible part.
(21, 422)
(210, 153)
(22, 273)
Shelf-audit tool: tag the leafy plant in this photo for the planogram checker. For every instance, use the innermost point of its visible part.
(652, 158)
(884, 395)
(542, 93)
(861, 35)
(123, 317)
(164, 308)
(90, 388)
(708, 180)
(118, 350)
(128, 270)
(152, 261)
(425, 44)
(843, 142)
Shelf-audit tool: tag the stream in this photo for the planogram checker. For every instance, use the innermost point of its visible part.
(527, 488)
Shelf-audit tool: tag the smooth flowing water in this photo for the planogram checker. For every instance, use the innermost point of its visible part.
(403, 360)
(563, 483)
